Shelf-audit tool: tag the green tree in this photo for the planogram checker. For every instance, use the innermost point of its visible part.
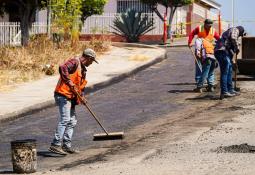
(66, 18)
(26, 10)
(172, 4)
(92, 7)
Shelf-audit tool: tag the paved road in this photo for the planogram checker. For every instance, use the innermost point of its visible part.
(149, 94)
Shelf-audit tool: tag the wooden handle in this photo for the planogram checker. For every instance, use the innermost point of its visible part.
(195, 58)
(85, 103)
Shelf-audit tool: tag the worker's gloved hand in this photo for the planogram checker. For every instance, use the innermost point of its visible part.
(189, 45)
(216, 65)
(74, 89)
(234, 66)
(237, 51)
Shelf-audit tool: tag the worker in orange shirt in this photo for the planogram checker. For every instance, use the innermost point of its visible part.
(207, 33)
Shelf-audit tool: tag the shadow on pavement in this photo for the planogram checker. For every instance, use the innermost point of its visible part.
(48, 154)
(245, 78)
(181, 91)
(180, 84)
(6, 172)
(205, 97)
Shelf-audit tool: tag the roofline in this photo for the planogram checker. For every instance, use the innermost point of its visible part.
(212, 3)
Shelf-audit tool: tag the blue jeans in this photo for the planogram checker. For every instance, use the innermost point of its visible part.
(198, 72)
(207, 73)
(66, 121)
(225, 71)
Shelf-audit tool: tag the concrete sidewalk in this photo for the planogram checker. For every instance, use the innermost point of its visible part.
(121, 61)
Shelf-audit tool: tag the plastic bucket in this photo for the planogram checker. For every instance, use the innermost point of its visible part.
(24, 158)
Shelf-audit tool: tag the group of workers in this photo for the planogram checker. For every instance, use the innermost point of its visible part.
(208, 56)
(73, 77)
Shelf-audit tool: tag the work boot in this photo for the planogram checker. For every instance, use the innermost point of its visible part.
(57, 150)
(198, 90)
(226, 95)
(210, 88)
(70, 150)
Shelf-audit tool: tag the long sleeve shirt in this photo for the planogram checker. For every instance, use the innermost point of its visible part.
(69, 67)
(196, 31)
(229, 41)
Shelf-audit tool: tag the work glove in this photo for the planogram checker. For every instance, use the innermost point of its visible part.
(216, 65)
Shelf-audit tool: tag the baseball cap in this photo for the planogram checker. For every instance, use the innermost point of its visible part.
(209, 22)
(90, 53)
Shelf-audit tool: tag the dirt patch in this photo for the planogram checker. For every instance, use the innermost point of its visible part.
(243, 148)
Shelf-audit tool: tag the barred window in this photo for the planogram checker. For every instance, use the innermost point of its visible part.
(123, 5)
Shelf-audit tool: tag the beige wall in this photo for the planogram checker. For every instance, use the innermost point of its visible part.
(4, 18)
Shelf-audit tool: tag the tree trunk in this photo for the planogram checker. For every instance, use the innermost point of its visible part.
(27, 14)
(24, 31)
(171, 16)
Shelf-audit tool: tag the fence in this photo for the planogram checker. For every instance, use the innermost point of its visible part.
(10, 33)
(98, 24)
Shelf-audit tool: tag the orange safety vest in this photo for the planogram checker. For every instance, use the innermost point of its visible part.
(208, 39)
(76, 78)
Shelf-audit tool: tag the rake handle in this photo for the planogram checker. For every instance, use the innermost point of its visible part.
(195, 58)
(85, 103)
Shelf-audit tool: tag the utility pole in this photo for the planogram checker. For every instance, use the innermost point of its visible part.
(233, 13)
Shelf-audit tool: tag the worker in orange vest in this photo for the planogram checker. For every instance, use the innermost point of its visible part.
(207, 33)
(72, 80)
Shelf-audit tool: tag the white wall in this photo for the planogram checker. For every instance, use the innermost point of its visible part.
(42, 16)
(111, 6)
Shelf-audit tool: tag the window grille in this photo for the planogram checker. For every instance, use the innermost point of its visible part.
(123, 5)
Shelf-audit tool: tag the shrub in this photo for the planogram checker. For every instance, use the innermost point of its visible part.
(132, 25)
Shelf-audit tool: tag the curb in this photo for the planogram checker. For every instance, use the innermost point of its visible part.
(50, 103)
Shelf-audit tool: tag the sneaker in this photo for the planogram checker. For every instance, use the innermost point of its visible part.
(70, 150)
(198, 89)
(226, 95)
(210, 89)
(57, 150)
(234, 93)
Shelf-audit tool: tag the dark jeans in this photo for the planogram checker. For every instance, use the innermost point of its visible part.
(225, 71)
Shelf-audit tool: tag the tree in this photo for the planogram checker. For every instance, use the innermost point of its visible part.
(66, 18)
(92, 7)
(26, 10)
(172, 4)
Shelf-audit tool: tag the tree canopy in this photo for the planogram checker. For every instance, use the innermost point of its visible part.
(172, 4)
(92, 7)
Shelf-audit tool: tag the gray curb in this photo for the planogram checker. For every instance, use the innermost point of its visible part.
(40, 106)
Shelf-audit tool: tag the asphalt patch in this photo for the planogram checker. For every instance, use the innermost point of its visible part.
(243, 148)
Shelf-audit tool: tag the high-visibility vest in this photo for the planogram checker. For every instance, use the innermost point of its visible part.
(208, 38)
(76, 78)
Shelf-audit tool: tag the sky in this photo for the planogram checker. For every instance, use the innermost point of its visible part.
(244, 13)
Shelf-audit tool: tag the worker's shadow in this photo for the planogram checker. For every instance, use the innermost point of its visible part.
(180, 91)
(205, 97)
(6, 172)
(181, 84)
(48, 154)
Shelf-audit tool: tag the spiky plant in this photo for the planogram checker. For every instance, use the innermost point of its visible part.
(132, 25)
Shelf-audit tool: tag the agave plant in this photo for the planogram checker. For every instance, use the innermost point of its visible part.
(132, 25)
